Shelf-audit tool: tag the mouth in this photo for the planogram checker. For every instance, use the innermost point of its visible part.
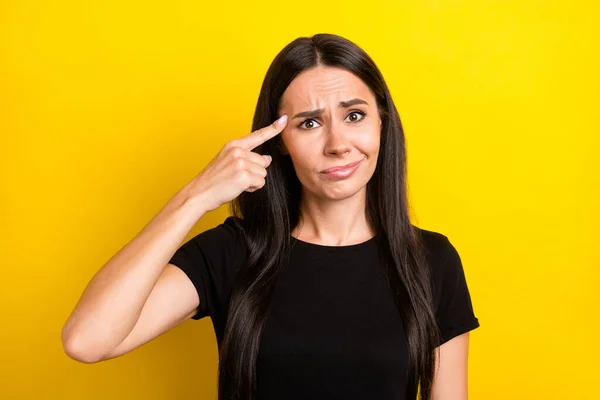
(341, 167)
(343, 171)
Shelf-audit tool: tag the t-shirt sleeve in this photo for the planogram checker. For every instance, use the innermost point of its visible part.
(210, 260)
(454, 311)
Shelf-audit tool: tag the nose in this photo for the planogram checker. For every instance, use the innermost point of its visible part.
(337, 143)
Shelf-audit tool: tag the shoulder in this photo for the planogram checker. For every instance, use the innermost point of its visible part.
(232, 226)
(220, 250)
(228, 234)
(211, 259)
(437, 246)
(452, 300)
(443, 259)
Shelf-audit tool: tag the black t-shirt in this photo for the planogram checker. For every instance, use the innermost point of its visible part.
(333, 331)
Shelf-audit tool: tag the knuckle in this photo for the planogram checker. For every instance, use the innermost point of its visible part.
(260, 134)
(239, 163)
(237, 152)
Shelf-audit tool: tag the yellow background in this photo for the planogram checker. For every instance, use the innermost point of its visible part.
(108, 108)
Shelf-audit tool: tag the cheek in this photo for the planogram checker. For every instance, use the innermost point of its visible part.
(302, 154)
(369, 142)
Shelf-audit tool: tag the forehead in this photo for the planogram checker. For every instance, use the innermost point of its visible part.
(321, 85)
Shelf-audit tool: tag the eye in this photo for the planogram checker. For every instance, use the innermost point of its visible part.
(310, 120)
(354, 113)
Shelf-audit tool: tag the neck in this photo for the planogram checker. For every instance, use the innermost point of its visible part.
(333, 222)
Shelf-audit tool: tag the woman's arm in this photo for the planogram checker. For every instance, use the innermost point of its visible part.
(450, 379)
(125, 294)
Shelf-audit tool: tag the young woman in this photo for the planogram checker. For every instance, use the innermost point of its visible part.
(318, 285)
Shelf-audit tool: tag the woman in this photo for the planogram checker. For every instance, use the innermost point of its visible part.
(318, 286)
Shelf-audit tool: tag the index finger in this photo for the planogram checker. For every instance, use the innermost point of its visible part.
(258, 137)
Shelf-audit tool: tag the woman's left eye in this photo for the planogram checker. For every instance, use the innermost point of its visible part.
(362, 115)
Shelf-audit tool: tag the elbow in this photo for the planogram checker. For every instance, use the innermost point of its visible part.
(75, 349)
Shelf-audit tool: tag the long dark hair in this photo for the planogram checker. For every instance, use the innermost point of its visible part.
(269, 215)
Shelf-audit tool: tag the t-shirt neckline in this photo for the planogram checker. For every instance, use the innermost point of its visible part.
(324, 247)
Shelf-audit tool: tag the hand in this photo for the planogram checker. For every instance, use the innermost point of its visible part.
(235, 168)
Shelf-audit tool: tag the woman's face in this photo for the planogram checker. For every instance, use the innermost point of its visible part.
(322, 132)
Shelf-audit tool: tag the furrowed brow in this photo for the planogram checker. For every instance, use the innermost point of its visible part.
(316, 113)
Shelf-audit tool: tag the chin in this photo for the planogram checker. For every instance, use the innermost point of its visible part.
(343, 190)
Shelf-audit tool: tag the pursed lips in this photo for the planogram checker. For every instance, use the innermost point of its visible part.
(338, 168)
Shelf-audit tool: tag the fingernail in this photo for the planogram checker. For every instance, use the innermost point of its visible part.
(282, 120)
(270, 158)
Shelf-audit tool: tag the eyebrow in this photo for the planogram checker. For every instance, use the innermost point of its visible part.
(343, 104)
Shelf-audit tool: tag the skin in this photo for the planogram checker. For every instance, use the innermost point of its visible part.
(450, 379)
(333, 212)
